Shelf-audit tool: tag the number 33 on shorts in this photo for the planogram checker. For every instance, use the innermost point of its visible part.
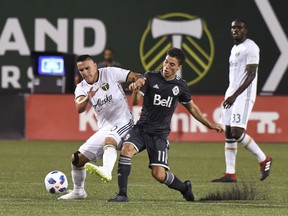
(236, 118)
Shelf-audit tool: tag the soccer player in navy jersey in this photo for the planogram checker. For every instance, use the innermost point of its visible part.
(161, 90)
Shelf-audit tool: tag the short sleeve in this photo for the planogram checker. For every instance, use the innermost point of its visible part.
(119, 75)
(185, 96)
(79, 91)
(253, 55)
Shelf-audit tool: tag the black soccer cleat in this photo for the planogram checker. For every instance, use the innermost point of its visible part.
(227, 178)
(265, 168)
(188, 194)
(118, 198)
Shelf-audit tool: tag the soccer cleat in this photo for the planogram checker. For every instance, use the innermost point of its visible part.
(118, 198)
(71, 195)
(188, 194)
(265, 168)
(226, 178)
(93, 169)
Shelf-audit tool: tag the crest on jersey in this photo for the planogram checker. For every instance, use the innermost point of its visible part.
(237, 54)
(105, 86)
(175, 90)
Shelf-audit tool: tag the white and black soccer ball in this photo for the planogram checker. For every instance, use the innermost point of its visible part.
(56, 182)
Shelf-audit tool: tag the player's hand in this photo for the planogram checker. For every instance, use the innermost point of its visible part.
(229, 102)
(137, 84)
(92, 92)
(217, 128)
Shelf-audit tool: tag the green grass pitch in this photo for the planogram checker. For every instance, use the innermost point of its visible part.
(25, 164)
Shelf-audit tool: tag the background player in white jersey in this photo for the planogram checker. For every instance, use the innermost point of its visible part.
(102, 89)
(161, 91)
(239, 100)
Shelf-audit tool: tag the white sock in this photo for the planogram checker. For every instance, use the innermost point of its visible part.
(246, 141)
(109, 157)
(230, 155)
(78, 177)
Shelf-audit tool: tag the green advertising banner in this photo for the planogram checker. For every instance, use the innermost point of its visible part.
(140, 32)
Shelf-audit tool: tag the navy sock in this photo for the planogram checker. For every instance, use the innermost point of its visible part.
(124, 168)
(173, 182)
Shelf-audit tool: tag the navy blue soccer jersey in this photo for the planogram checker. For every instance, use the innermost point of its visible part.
(160, 98)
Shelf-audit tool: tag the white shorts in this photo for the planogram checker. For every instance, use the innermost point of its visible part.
(93, 147)
(238, 114)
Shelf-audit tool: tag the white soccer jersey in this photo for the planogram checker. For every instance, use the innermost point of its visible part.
(109, 102)
(242, 55)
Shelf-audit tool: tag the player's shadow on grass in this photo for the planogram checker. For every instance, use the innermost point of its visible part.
(236, 191)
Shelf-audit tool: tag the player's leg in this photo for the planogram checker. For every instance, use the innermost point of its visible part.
(157, 148)
(91, 150)
(112, 140)
(231, 149)
(124, 169)
(242, 111)
(248, 142)
(109, 159)
(132, 145)
(78, 174)
(169, 179)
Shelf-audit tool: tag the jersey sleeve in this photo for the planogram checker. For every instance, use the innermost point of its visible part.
(253, 55)
(119, 75)
(79, 91)
(185, 96)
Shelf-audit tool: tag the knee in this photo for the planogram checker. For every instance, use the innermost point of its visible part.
(110, 141)
(78, 159)
(128, 150)
(159, 175)
(236, 133)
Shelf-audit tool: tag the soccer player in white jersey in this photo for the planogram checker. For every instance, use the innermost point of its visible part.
(102, 89)
(239, 100)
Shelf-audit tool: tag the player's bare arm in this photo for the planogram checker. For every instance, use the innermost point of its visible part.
(133, 76)
(135, 88)
(81, 102)
(135, 97)
(194, 110)
(250, 75)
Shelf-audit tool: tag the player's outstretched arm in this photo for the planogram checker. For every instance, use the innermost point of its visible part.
(135, 88)
(133, 76)
(136, 97)
(194, 110)
(81, 102)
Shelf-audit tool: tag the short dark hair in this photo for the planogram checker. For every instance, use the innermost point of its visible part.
(83, 58)
(109, 49)
(241, 20)
(177, 53)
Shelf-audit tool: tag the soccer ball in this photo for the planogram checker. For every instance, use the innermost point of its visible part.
(56, 182)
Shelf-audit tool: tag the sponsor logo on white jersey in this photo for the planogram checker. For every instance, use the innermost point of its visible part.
(158, 101)
(101, 103)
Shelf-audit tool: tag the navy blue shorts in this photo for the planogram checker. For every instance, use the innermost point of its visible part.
(157, 146)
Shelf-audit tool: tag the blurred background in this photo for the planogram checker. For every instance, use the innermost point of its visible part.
(36, 93)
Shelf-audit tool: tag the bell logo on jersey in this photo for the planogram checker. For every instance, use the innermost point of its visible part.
(162, 102)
